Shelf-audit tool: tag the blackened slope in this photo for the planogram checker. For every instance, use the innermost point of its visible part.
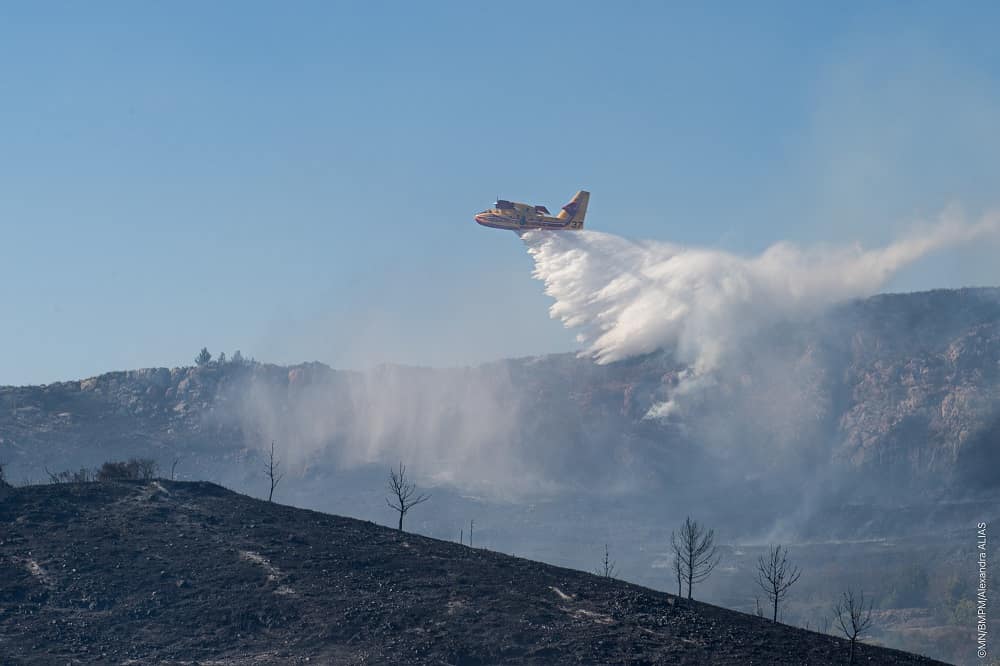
(163, 572)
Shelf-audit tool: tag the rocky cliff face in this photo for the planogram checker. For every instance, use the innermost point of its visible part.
(922, 384)
(904, 388)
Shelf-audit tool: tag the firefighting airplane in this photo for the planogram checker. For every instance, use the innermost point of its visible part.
(522, 217)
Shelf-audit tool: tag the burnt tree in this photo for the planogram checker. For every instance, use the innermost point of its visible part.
(273, 472)
(404, 496)
(853, 617)
(696, 553)
(607, 568)
(775, 574)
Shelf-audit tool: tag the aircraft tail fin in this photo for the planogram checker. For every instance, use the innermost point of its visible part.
(574, 212)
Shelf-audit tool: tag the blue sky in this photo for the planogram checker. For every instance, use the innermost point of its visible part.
(298, 180)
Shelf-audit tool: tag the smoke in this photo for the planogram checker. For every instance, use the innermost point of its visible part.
(629, 298)
(516, 429)
(456, 427)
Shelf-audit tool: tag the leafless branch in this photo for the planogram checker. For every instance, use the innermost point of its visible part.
(853, 617)
(607, 568)
(273, 471)
(404, 496)
(775, 574)
(695, 551)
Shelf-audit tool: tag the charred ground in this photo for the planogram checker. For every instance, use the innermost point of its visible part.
(171, 572)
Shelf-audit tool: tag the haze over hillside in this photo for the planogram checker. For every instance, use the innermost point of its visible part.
(902, 387)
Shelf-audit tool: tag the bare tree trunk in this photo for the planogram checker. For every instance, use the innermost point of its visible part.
(853, 617)
(690, 559)
(695, 550)
(404, 495)
(273, 471)
(775, 575)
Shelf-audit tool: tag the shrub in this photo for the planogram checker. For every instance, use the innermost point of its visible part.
(134, 468)
(83, 475)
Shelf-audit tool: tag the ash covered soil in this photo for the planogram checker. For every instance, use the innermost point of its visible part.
(172, 572)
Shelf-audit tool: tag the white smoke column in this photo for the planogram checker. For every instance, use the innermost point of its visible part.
(634, 297)
(457, 427)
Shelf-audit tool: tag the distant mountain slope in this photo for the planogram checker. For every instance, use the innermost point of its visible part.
(170, 572)
(903, 389)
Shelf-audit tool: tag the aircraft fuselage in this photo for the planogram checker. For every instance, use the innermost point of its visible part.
(515, 216)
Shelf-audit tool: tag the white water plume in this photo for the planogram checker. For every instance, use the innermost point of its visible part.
(629, 298)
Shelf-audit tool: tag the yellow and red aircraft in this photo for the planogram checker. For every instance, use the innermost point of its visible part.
(523, 217)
